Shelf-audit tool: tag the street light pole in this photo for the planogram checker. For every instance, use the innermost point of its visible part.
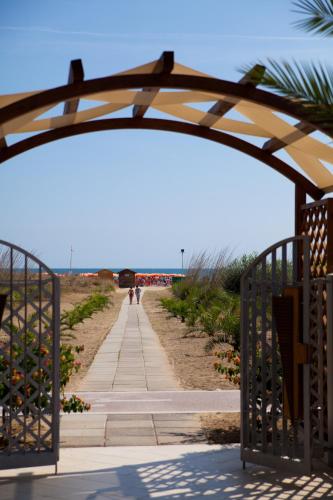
(182, 252)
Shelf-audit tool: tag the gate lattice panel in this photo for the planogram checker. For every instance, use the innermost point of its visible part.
(317, 224)
(29, 360)
(269, 436)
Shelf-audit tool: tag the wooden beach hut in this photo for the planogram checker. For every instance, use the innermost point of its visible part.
(126, 278)
(105, 274)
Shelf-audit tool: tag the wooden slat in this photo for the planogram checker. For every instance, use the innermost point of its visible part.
(3, 143)
(276, 144)
(163, 65)
(220, 108)
(75, 75)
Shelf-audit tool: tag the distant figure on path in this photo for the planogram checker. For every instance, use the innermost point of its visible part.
(130, 294)
(137, 294)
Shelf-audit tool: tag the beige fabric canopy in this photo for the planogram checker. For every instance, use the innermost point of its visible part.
(258, 124)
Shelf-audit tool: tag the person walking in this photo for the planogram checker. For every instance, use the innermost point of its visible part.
(130, 294)
(137, 294)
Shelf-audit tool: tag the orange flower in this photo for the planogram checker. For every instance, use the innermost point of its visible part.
(237, 360)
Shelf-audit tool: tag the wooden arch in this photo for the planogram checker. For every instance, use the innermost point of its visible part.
(20, 113)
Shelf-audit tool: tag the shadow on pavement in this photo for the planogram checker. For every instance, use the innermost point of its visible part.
(213, 474)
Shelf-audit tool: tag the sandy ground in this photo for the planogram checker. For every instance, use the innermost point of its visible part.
(222, 428)
(92, 331)
(193, 366)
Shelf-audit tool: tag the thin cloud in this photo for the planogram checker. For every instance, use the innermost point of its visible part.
(46, 29)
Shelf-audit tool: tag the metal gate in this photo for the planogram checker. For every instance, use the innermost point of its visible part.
(273, 433)
(29, 360)
(287, 359)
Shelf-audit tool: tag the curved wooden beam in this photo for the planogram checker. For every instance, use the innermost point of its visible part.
(188, 82)
(169, 126)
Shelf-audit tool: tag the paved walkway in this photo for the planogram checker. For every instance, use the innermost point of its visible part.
(168, 472)
(136, 399)
(131, 358)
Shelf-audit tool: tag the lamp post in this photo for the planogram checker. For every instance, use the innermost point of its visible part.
(182, 252)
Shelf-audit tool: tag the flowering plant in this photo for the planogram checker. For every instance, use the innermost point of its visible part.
(229, 365)
(29, 381)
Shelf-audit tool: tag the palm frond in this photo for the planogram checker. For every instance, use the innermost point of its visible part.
(309, 84)
(318, 16)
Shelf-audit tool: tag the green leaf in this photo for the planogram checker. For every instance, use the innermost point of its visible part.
(309, 84)
(318, 16)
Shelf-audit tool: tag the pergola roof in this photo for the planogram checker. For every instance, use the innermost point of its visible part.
(242, 115)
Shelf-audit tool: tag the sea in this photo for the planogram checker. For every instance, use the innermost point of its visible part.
(152, 270)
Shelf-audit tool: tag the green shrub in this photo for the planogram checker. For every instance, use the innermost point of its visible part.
(80, 312)
(208, 298)
(232, 273)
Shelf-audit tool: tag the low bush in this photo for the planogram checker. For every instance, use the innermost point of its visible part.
(80, 312)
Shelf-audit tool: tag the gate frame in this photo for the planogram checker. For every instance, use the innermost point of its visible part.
(40, 458)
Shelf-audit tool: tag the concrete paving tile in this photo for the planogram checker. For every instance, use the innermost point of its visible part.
(82, 432)
(108, 369)
(96, 387)
(113, 426)
(177, 427)
(123, 388)
(137, 363)
(130, 431)
(130, 441)
(128, 384)
(79, 442)
(160, 387)
(174, 417)
(105, 349)
(130, 368)
(128, 417)
(132, 377)
(185, 429)
(82, 421)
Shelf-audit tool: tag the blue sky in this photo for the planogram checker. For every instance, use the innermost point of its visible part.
(134, 198)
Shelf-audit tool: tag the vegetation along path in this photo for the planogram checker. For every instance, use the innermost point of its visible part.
(135, 397)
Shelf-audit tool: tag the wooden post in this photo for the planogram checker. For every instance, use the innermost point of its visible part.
(329, 248)
(75, 75)
(300, 199)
